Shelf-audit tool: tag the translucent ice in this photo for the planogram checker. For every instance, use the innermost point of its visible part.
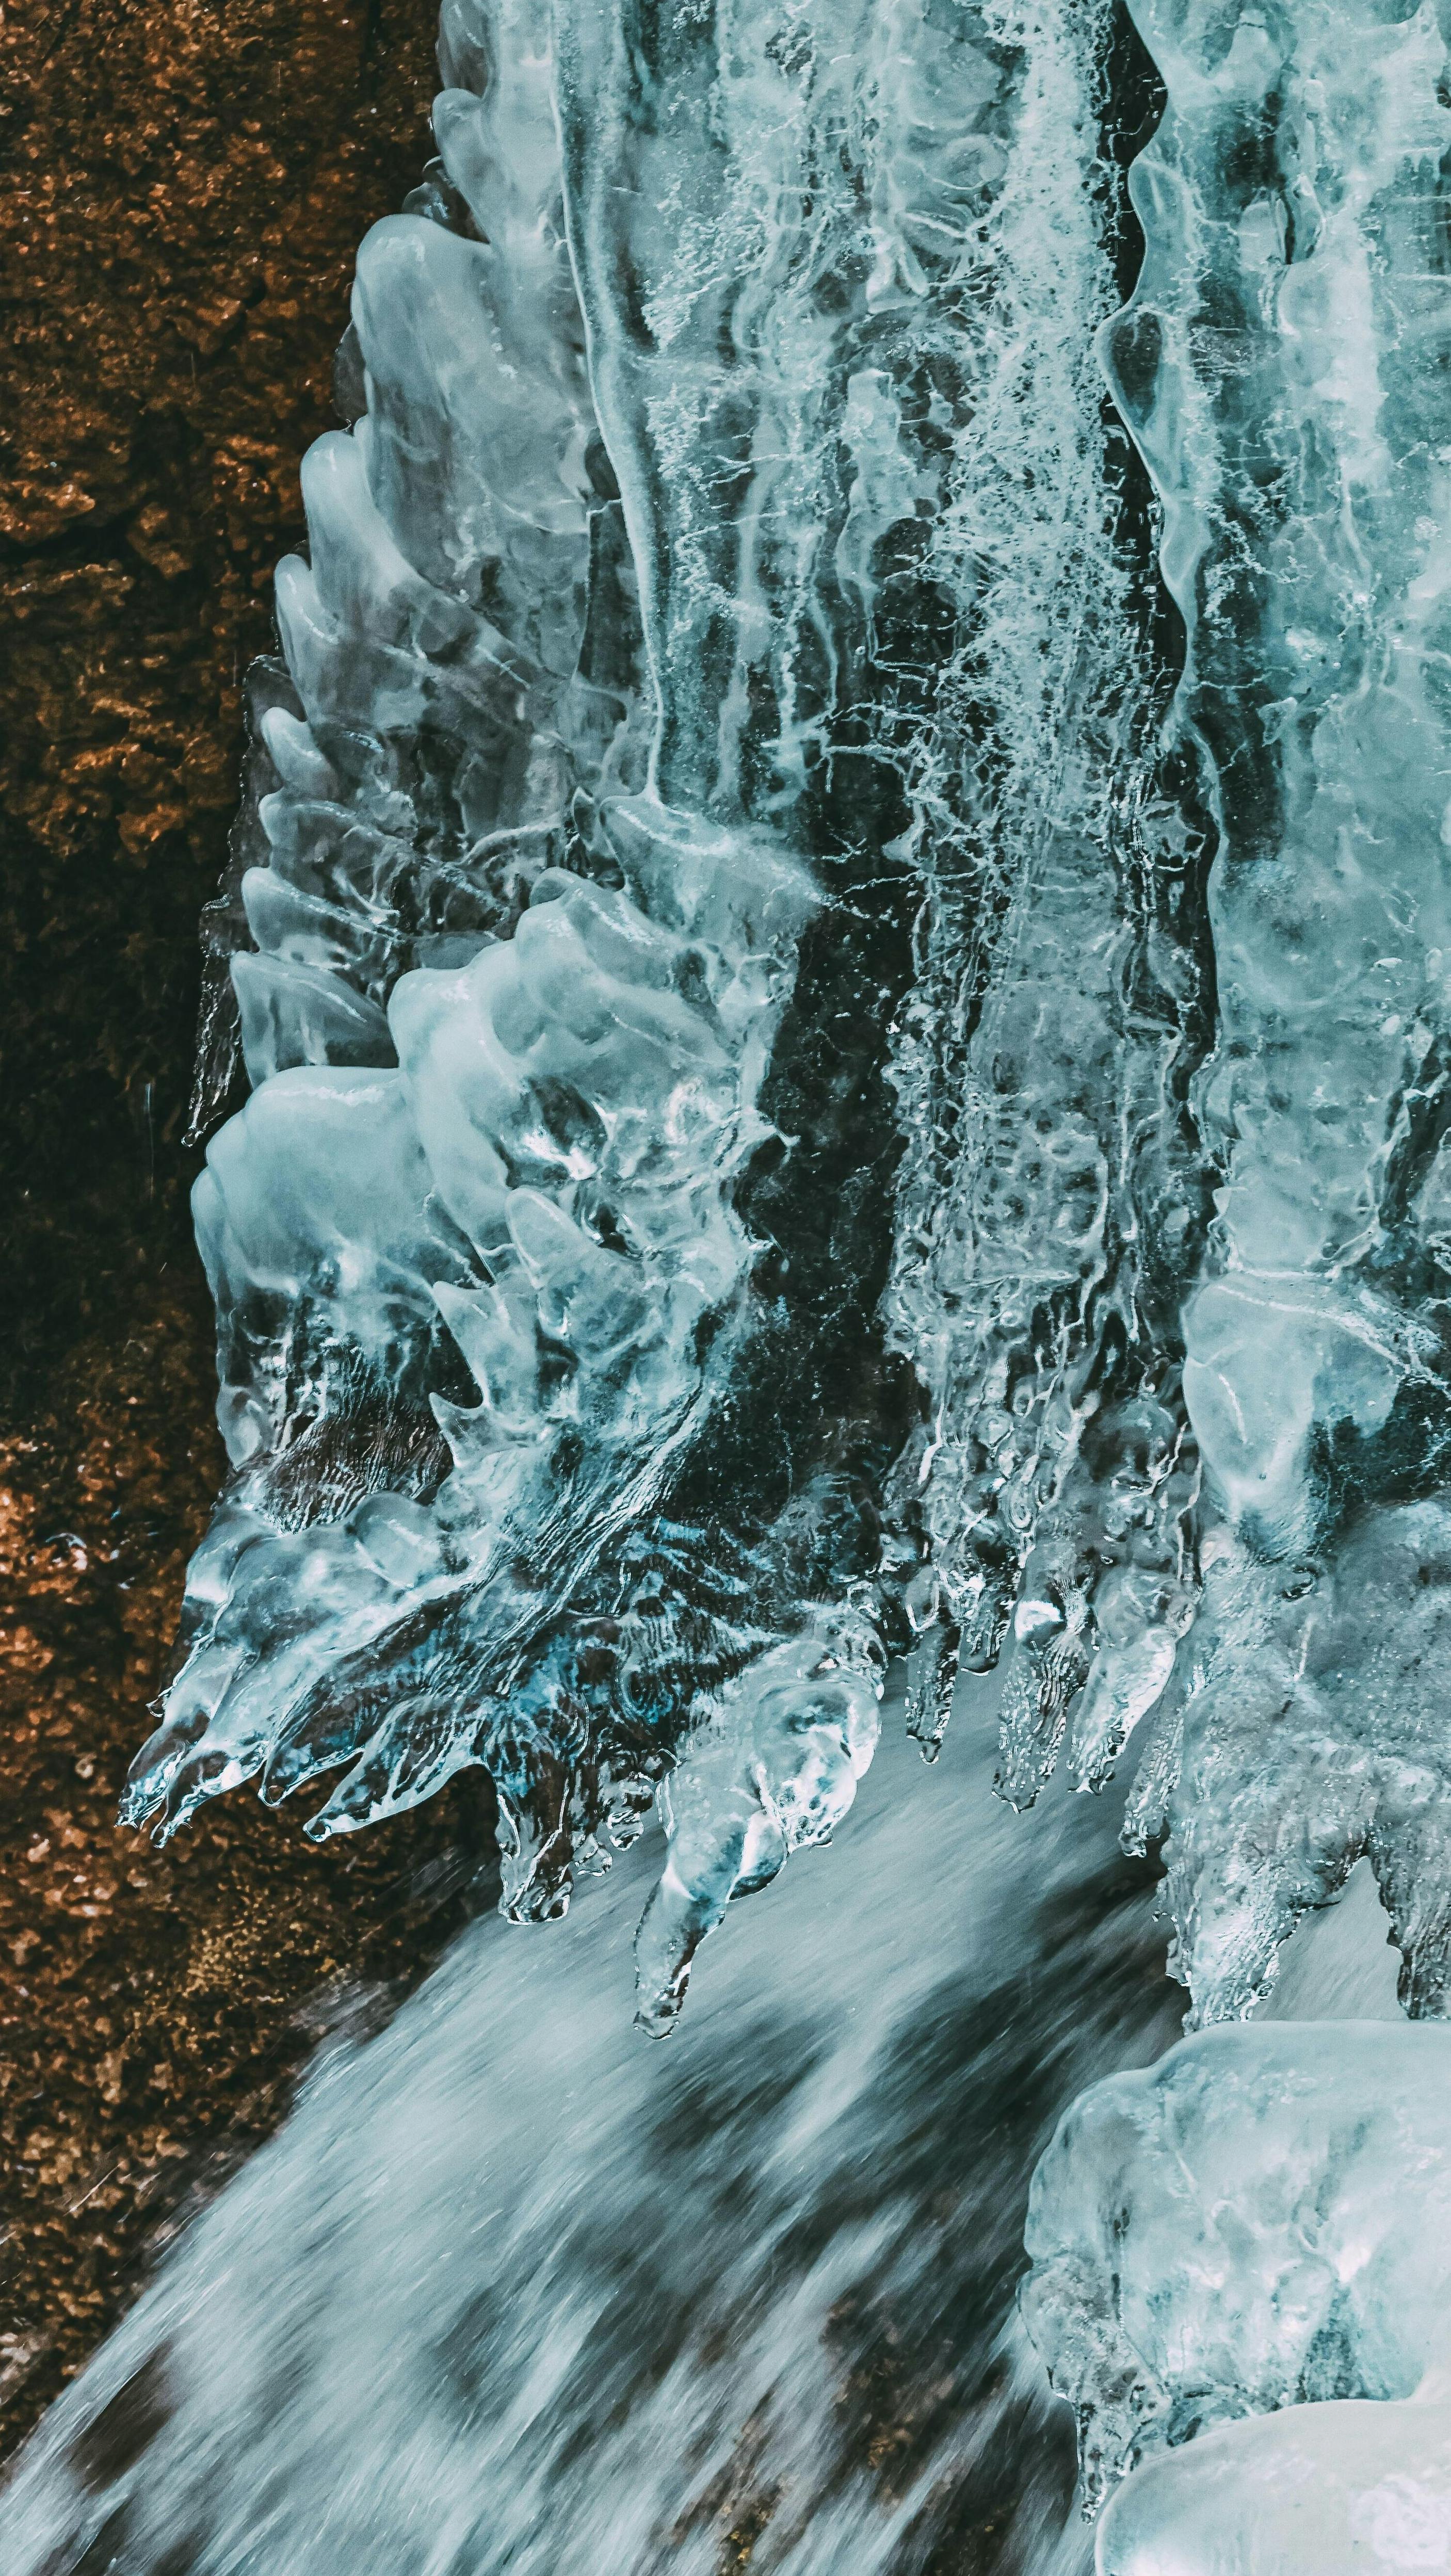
(1282, 366)
(479, 1270)
(1341, 2490)
(1049, 1199)
(543, 1178)
(776, 1767)
(1260, 2220)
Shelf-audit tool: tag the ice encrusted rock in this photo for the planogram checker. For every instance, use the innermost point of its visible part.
(1261, 2220)
(1312, 1731)
(544, 1177)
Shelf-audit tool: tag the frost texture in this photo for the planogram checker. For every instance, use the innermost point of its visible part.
(1262, 2220)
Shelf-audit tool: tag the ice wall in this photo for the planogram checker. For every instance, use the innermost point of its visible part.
(1282, 364)
(1050, 1197)
(696, 774)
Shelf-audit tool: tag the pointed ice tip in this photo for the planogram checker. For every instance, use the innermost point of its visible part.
(1013, 1793)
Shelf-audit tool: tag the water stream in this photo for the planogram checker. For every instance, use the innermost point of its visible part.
(518, 2288)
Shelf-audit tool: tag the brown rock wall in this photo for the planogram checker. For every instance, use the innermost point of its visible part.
(185, 185)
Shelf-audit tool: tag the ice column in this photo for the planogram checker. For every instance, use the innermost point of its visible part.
(1048, 1192)
(472, 1238)
(1282, 365)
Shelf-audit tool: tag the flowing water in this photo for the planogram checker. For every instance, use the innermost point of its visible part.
(519, 2288)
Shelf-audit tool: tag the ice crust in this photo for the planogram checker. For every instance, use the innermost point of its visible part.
(1260, 2226)
(1261, 2220)
(690, 930)
(1049, 1199)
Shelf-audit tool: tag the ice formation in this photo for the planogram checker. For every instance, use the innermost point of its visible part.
(653, 904)
(1282, 366)
(1259, 2227)
(1261, 2220)
(838, 1071)
(534, 1464)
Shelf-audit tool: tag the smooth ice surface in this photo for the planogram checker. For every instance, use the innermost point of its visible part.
(1262, 2218)
(1343, 2490)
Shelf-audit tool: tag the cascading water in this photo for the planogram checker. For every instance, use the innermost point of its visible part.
(820, 1094)
(515, 2289)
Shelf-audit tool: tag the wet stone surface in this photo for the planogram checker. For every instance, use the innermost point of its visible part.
(186, 189)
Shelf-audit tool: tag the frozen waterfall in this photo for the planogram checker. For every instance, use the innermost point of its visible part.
(833, 1012)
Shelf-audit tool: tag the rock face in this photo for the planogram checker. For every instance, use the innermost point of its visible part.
(184, 194)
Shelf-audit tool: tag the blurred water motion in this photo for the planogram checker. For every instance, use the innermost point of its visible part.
(517, 2288)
